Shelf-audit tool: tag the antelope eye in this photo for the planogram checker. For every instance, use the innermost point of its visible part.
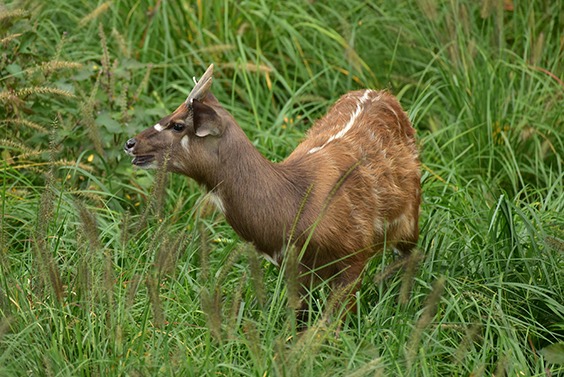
(178, 127)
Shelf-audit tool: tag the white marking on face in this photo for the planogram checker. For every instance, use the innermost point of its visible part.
(184, 142)
(349, 124)
(158, 127)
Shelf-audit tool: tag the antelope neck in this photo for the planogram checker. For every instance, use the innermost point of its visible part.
(260, 198)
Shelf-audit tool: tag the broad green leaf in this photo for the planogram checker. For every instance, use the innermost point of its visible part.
(109, 123)
(554, 353)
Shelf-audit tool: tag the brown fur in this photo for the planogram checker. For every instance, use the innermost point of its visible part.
(342, 199)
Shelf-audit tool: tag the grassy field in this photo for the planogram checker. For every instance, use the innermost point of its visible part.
(108, 270)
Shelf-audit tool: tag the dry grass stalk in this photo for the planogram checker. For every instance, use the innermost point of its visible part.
(479, 371)
(501, 368)
(498, 6)
(408, 277)
(248, 67)
(35, 166)
(155, 202)
(87, 111)
(108, 281)
(4, 41)
(235, 307)
(291, 272)
(25, 150)
(102, 8)
(341, 299)
(308, 344)
(211, 306)
(88, 234)
(143, 85)
(89, 226)
(252, 336)
(204, 252)
(123, 46)
(373, 367)
(152, 284)
(537, 50)
(257, 276)
(121, 102)
(429, 9)
(84, 272)
(14, 96)
(16, 13)
(105, 62)
(45, 264)
(211, 302)
(391, 269)
(5, 325)
(429, 311)
(168, 254)
(25, 123)
(471, 334)
(555, 243)
(54, 65)
(158, 193)
(125, 229)
(227, 266)
(111, 88)
(132, 289)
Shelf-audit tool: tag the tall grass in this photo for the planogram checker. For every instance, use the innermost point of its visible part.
(108, 270)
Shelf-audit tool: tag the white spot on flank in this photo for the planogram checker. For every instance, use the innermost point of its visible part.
(184, 142)
(399, 220)
(158, 127)
(378, 226)
(349, 124)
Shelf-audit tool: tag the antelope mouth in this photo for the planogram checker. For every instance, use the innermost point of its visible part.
(143, 161)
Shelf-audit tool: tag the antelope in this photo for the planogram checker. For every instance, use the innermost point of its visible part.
(350, 189)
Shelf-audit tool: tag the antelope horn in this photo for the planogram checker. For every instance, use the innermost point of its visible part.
(202, 86)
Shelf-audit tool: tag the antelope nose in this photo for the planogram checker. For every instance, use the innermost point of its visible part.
(129, 144)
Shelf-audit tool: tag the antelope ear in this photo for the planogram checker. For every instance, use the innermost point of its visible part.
(206, 120)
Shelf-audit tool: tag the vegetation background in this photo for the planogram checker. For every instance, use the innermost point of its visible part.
(108, 270)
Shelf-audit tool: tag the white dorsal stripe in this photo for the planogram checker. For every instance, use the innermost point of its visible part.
(349, 124)
(158, 127)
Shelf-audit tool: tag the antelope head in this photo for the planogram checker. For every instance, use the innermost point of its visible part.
(186, 139)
